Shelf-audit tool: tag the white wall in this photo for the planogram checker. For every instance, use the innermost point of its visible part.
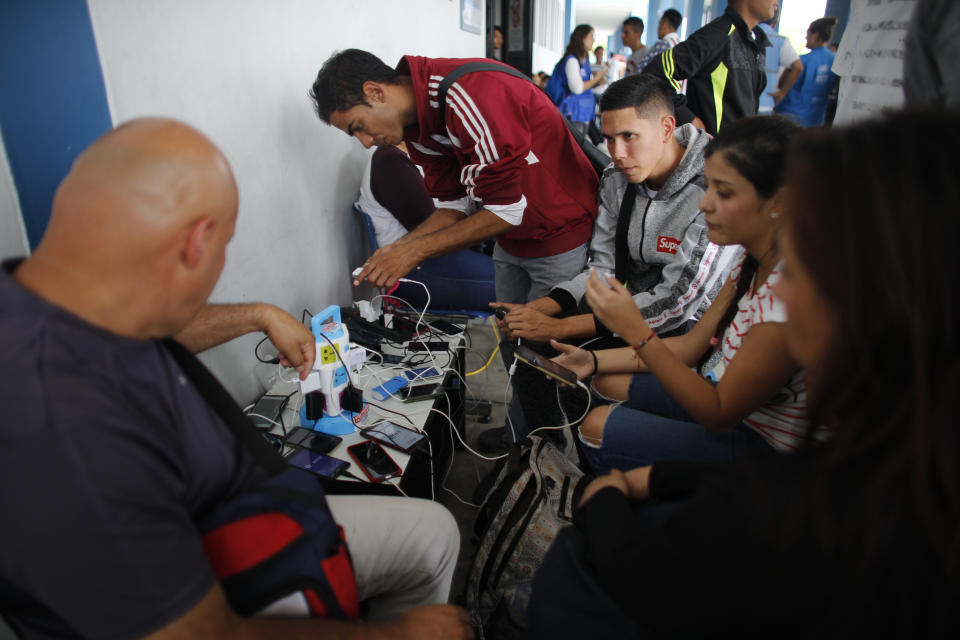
(13, 240)
(240, 70)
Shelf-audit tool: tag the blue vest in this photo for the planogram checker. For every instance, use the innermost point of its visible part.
(578, 107)
(807, 100)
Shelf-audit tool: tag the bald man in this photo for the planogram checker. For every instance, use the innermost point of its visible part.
(108, 455)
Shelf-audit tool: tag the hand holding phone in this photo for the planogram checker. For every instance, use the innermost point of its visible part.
(553, 370)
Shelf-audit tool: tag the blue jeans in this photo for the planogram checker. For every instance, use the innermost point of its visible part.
(651, 427)
(520, 280)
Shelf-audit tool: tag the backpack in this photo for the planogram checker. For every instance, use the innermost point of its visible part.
(275, 546)
(556, 86)
(533, 497)
(597, 158)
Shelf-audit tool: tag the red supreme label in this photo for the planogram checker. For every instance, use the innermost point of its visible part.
(666, 244)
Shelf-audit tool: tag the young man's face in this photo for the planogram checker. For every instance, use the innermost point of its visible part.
(373, 124)
(631, 38)
(761, 10)
(663, 28)
(636, 144)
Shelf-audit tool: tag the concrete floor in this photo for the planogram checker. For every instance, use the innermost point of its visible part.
(467, 469)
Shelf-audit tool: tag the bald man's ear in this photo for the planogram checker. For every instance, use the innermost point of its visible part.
(197, 243)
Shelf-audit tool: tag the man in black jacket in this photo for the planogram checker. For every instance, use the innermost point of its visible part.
(723, 64)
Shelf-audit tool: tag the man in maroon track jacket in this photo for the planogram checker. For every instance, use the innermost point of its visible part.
(498, 161)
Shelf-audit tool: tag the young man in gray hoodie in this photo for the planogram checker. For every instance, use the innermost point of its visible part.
(658, 246)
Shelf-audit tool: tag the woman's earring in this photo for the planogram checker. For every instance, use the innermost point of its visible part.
(773, 214)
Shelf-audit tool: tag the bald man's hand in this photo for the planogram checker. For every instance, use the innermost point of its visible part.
(215, 324)
(295, 343)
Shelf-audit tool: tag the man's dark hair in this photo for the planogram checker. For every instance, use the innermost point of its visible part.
(496, 28)
(634, 23)
(673, 17)
(646, 93)
(339, 84)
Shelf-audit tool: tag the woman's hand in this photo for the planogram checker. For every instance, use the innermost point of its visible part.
(614, 306)
(614, 479)
(578, 360)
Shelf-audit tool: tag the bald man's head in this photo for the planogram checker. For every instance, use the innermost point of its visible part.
(153, 172)
(147, 210)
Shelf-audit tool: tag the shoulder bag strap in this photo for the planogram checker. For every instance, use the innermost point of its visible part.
(622, 250)
(223, 404)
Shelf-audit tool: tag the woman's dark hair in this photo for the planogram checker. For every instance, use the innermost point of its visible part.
(339, 84)
(757, 148)
(823, 27)
(874, 220)
(575, 45)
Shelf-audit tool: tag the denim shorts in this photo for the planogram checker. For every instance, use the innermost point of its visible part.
(651, 427)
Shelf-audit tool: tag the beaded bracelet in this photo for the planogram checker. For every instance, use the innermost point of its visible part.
(642, 344)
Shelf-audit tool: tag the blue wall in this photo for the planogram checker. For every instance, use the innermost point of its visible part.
(53, 103)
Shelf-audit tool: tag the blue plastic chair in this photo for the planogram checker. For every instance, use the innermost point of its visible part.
(460, 282)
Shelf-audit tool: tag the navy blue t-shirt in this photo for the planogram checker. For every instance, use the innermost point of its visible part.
(108, 456)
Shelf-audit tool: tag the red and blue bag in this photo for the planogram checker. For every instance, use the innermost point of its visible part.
(275, 548)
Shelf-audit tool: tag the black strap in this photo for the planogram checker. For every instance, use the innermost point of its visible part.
(622, 249)
(597, 158)
(223, 404)
(466, 68)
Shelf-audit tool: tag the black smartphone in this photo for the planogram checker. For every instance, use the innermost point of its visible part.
(313, 440)
(558, 372)
(395, 436)
(268, 408)
(501, 312)
(446, 327)
(317, 463)
(390, 358)
(374, 460)
(428, 346)
(418, 392)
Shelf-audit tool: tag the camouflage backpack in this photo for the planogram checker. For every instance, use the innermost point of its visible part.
(533, 497)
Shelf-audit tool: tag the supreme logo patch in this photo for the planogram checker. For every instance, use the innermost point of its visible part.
(666, 244)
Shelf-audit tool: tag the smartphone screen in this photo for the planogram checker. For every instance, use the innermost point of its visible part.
(546, 365)
(430, 346)
(419, 392)
(446, 327)
(313, 440)
(267, 408)
(317, 463)
(374, 460)
(421, 373)
(393, 435)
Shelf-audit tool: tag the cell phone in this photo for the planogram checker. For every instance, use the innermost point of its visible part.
(390, 358)
(314, 440)
(501, 312)
(267, 408)
(418, 392)
(422, 373)
(317, 463)
(558, 372)
(446, 327)
(430, 346)
(394, 436)
(374, 460)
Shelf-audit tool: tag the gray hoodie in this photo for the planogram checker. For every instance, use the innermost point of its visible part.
(675, 271)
